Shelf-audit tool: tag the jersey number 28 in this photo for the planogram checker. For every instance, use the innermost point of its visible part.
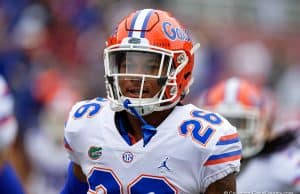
(105, 181)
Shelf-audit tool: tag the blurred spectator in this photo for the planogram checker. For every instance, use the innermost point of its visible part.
(9, 180)
(44, 144)
(289, 95)
(251, 60)
(276, 167)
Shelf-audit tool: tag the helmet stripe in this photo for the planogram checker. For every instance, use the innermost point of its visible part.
(141, 22)
(144, 27)
(231, 90)
(133, 23)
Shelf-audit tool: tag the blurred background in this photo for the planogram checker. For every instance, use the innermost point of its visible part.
(51, 55)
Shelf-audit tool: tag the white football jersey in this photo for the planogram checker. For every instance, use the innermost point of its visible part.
(279, 172)
(191, 149)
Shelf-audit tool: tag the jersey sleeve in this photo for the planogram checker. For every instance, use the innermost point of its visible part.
(72, 135)
(224, 158)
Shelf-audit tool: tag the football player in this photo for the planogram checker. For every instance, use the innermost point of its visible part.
(9, 181)
(142, 139)
(270, 163)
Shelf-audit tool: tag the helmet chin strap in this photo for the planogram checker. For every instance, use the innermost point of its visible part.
(148, 130)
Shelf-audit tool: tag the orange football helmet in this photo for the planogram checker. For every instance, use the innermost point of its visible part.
(157, 34)
(246, 107)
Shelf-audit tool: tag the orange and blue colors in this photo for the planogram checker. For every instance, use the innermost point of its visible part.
(222, 158)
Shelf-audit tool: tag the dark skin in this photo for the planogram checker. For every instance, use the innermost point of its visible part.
(227, 183)
(151, 87)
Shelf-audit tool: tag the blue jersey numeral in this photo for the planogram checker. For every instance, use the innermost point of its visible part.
(89, 110)
(212, 118)
(199, 134)
(151, 184)
(101, 179)
(195, 128)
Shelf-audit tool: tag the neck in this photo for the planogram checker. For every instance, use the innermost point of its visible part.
(154, 119)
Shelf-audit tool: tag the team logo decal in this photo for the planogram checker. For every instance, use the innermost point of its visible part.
(127, 157)
(174, 32)
(134, 41)
(95, 152)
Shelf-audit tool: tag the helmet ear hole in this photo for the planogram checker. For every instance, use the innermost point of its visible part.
(181, 58)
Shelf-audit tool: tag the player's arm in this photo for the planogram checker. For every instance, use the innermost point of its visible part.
(76, 181)
(226, 184)
(78, 173)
